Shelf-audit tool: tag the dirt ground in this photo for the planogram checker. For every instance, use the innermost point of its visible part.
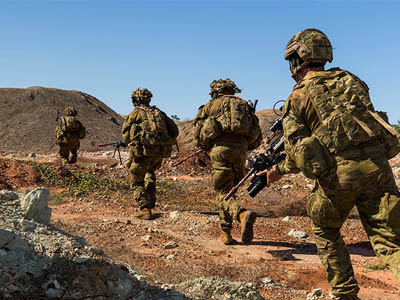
(187, 215)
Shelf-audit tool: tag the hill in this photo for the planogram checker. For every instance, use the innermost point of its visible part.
(28, 118)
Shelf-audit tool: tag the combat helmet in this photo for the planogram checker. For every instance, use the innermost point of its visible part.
(141, 96)
(223, 87)
(309, 46)
(70, 111)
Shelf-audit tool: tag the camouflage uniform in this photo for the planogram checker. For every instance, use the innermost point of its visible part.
(228, 151)
(347, 173)
(68, 133)
(145, 157)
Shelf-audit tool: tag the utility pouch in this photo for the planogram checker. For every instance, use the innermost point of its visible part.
(209, 132)
(313, 158)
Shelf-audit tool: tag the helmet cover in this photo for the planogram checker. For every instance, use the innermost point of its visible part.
(141, 96)
(311, 45)
(223, 87)
(70, 111)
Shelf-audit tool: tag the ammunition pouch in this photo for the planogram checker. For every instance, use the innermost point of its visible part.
(313, 158)
(209, 132)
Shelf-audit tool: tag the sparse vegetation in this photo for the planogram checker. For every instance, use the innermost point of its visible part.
(56, 199)
(80, 183)
(376, 267)
(175, 118)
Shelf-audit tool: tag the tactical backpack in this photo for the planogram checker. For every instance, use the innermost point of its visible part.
(154, 135)
(236, 115)
(346, 114)
(70, 127)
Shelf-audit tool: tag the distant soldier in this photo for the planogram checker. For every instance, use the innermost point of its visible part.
(227, 128)
(68, 133)
(334, 135)
(149, 134)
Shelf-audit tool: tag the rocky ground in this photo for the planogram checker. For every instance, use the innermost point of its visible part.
(178, 254)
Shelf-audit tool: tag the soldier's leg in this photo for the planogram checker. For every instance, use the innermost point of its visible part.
(138, 171)
(327, 217)
(379, 209)
(64, 153)
(150, 180)
(223, 179)
(245, 217)
(74, 154)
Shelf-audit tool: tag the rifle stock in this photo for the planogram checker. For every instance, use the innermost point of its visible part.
(186, 158)
(236, 187)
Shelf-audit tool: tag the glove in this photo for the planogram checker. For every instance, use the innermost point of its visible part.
(272, 174)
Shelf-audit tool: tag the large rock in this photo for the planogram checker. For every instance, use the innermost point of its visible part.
(34, 205)
(11, 241)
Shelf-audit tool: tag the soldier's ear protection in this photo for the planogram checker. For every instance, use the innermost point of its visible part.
(295, 61)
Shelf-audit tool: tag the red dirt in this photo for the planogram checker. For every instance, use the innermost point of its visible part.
(107, 225)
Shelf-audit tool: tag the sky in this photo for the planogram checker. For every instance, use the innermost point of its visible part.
(176, 48)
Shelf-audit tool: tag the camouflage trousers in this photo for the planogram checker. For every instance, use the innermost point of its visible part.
(369, 185)
(143, 180)
(227, 170)
(69, 148)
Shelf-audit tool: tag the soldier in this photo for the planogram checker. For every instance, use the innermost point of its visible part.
(334, 135)
(227, 128)
(68, 133)
(149, 134)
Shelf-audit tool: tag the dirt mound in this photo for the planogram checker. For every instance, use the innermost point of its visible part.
(28, 118)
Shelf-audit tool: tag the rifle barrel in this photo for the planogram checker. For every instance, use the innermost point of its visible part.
(108, 144)
(186, 158)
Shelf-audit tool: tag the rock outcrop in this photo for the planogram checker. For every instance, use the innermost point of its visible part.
(40, 261)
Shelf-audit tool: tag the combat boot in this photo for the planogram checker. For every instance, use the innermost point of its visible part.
(247, 219)
(226, 236)
(143, 214)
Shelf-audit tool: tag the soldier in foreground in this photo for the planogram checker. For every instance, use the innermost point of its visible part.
(227, 128)
(68, 133)
(149, 134)
(334, 135)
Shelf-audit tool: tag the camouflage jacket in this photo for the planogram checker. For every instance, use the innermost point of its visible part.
(302, 119)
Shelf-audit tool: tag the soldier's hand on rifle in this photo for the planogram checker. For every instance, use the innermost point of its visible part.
(271, 174)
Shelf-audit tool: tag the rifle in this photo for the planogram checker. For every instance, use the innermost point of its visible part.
(186, 158)
(253, 105)
(58, 113)
(116, 145)
(274, 154)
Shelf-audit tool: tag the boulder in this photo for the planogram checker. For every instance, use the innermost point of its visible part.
(34, 205)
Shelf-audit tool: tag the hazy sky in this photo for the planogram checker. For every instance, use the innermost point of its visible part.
(176, 48)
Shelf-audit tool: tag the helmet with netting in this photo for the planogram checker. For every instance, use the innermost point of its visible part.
(309, 46)
(141, 96)
(70, 111)
(223, 87)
